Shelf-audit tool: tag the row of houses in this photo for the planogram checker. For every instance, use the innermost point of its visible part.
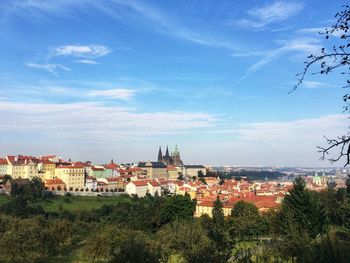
(60, 174)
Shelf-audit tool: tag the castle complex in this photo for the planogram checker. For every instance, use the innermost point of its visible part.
(174, 159)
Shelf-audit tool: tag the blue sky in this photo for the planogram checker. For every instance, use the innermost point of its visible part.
(94, 80)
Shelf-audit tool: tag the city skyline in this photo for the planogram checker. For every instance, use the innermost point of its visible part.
(117, 79)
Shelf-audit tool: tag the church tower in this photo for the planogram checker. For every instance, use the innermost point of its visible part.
(167, 158)
(160, 155)
(176, 158)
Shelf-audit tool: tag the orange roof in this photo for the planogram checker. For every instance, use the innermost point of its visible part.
(111, 166)
(113, 179)
(3, 161)
(47, 162)
(70, 167)
(154, 183)
(53, 181)
(139, 183)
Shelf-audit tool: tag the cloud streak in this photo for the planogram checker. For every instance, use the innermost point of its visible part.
(120, 93)
(87, 51)
(90, 121)
(50, 67)
(305, 46)
(260, 17)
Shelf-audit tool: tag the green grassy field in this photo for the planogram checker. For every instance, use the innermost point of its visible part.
(75, 203)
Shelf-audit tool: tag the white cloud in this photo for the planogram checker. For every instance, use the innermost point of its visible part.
(159, 21)
(89, 51)
(94, 121)
(249, 54)
(276, 12)
(305, 46)
(120, 93)
(291, 143)
(106, 128)
(50, 67)
(87, 61)
(315, 84)
(311, 30)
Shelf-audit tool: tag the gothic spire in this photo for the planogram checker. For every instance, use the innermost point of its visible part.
(160, 155)
(167, 152)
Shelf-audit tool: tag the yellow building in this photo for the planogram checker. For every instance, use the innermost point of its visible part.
(48, 168)
(22, 167)
(206, 208)
(72, 176)
(172, 172)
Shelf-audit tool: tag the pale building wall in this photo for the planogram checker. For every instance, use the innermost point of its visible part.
(132, 189)
(3, 169)
(73, 176)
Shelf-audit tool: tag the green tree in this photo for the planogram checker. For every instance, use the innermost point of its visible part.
(21, 240)
(116, 244)
(217, 231)
(58, 234)
(177, 207)
(246, 222)
(298, 222)
(218, 213)
(187, 239)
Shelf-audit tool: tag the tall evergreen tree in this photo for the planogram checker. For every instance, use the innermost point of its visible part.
(218, 213)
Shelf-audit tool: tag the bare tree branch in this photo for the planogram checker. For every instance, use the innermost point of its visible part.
(328, 61)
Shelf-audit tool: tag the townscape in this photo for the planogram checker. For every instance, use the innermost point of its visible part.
(95, 96)
(166, 176)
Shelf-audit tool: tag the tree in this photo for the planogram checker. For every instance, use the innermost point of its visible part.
(116, 244)
(177, 207)
(218, 213)
(329, 61)
(298, 222)
(187, 239)
(246, 222)
(21, 240)
(218, 232)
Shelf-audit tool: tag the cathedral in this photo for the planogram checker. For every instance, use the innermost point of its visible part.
(174, 159)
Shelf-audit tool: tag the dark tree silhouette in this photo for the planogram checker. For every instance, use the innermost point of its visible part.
(329, 61)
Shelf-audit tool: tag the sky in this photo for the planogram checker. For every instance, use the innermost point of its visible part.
(96, 80)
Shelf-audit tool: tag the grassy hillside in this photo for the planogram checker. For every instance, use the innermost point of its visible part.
(75, 203)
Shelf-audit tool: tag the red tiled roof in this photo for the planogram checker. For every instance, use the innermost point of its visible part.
(111, 166)
(53, 181)
(47, 162)
(113, 179)
(3, 161)
(139, 183)
(184, 188)
(69, 167)
(154, 183)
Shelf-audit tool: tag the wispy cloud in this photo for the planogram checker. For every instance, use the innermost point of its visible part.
(260, 17)
(86, 52)
(87, 61)
(311, 30)
(120, 93)
(89, 51)
(316, 84)
(50, 67)
(92, 121)
(157, 19)
(249, 54)
(306, 46)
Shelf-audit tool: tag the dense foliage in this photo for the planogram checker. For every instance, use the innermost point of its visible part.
(308, 227)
